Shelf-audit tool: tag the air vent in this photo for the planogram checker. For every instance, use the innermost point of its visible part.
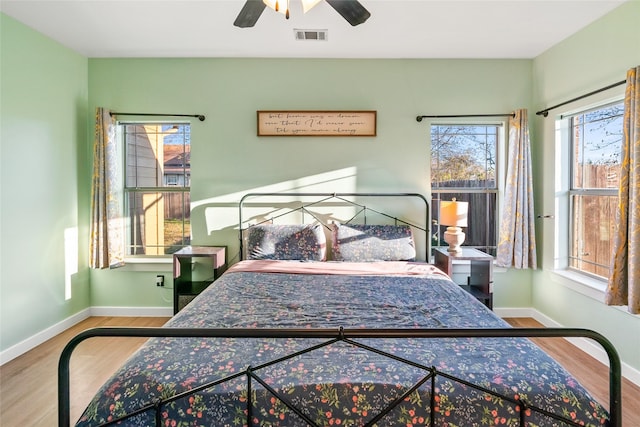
(320, 35)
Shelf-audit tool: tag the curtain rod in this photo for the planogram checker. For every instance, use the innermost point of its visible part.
(199, 116)
(545, 112)
(451, 116)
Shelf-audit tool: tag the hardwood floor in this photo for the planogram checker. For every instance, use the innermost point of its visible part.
(30, 381)
(588, 371)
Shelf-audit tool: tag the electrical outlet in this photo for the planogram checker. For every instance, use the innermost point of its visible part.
(159, 280)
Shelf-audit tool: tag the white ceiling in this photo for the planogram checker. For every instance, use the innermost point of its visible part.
(396, 28)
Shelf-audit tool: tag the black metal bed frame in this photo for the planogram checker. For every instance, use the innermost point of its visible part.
(348, 336)
(343, 200)
(333, 335)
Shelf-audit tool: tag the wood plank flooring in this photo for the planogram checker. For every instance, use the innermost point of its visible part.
(592, 374)
(30, 381)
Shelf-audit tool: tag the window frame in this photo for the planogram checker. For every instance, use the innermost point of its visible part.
(500, 171)
(572, 191)
(171, 180)
(127, 191)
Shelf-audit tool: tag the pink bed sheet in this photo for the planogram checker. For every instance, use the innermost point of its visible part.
(400, 268)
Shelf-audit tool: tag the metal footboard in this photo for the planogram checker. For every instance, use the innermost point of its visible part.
(333, 335)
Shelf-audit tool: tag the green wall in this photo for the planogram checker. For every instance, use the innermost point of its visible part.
(595, 57)
(229, 160)
(43, 180)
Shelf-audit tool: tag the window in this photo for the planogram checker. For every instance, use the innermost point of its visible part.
(156, 193)
(464, 164)
(170, 179)
(596, 143)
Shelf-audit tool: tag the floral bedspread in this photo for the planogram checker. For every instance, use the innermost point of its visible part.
(341, 384)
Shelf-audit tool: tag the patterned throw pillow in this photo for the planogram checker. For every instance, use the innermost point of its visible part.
(359, 242)
(302, 242)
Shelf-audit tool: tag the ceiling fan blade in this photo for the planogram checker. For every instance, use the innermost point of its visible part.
(351, 10)
(249, 13)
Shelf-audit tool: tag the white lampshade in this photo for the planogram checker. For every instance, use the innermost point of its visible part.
(454, 213)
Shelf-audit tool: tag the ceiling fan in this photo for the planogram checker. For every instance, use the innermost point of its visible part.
(351, 10)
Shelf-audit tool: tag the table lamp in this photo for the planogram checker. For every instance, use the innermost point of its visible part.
(453, 214)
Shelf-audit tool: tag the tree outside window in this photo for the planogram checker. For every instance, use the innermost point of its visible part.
(463, 166)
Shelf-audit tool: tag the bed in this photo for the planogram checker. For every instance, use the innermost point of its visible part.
(339, 325)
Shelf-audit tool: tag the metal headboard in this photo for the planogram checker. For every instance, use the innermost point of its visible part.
(304, 202)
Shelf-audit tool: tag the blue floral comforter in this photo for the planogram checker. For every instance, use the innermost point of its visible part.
(341, 384)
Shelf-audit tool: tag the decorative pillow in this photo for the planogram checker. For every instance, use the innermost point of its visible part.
(287, 242)
(359, 242)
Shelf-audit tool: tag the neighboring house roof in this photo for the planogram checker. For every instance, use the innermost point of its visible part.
(175, 160)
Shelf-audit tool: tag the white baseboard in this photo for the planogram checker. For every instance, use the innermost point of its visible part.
(515, 312)
(589, 346)
(42, 336)
(39, 338)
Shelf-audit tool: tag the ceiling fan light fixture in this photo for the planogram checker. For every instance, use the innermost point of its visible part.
(282, 6)
(307, 5)
(351, 10)
(277, 5)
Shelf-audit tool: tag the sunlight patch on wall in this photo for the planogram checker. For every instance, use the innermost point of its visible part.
(70, 259)
(338, 181)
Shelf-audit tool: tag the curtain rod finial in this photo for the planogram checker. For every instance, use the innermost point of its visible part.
(419, 118)
(201, 118)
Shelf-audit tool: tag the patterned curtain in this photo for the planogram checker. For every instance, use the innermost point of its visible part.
(624, 280)
(105, 246)
(517, 241)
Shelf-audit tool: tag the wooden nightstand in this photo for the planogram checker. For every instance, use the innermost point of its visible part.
(194, 269)
(480, 280)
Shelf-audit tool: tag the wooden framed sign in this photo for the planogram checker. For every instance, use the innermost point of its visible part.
(316, 123)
